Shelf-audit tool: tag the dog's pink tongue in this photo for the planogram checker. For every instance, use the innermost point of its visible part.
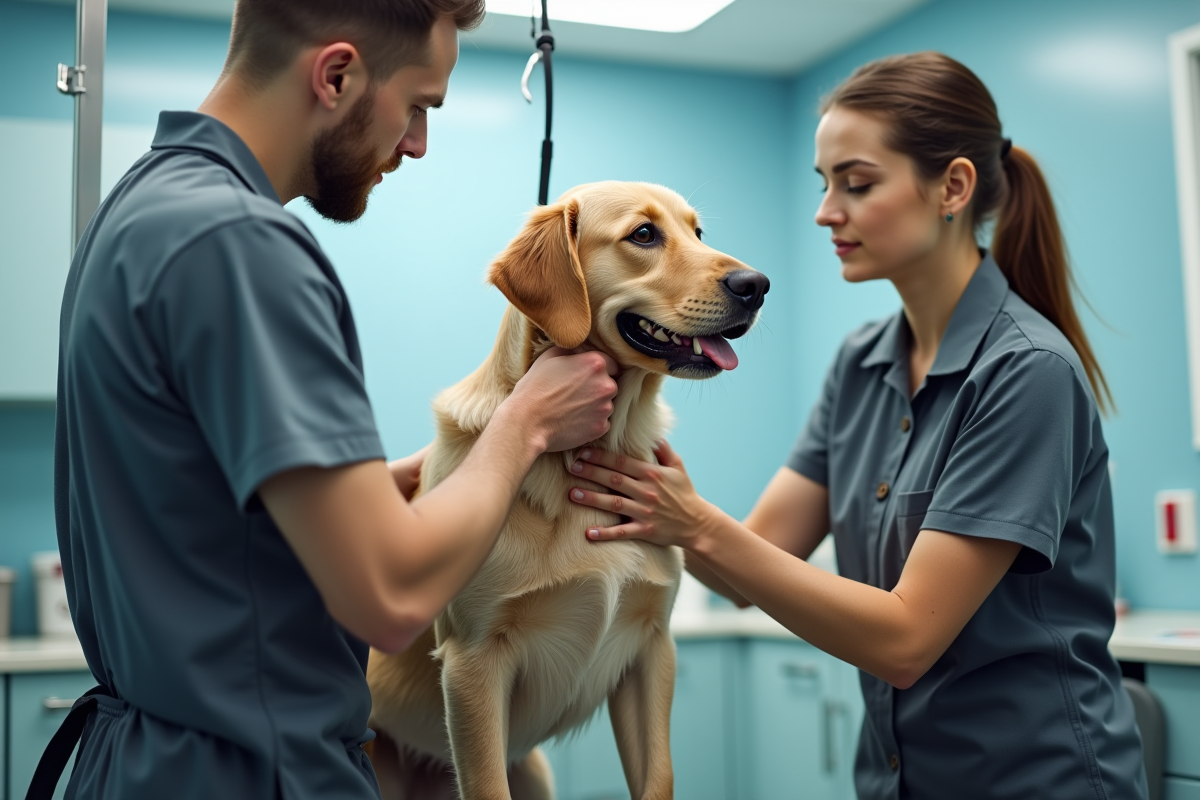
(717, 348)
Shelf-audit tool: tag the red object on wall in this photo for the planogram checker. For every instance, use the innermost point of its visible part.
(1169, 510)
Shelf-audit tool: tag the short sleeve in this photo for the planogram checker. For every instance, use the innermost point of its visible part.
(254, 338)
(810, 453)
(1020, 451)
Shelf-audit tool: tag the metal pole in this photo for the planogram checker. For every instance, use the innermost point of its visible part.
(86, 82)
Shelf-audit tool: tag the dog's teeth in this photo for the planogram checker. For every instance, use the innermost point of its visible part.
(675, 338)
(696, 346)
(661, 335)
(644, 324)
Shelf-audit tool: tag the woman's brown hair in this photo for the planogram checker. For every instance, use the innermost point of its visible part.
(937, 110)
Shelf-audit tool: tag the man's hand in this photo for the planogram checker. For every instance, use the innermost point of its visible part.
(406, 472)
(567, 398)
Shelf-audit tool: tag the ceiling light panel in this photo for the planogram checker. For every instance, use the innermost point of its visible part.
(667, 16)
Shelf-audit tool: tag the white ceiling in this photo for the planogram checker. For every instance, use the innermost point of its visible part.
(772, 37)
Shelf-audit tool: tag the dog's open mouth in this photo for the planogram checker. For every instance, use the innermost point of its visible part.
(694, 353)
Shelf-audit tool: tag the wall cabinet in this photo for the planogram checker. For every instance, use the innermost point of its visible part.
(35, 228)
(753, 719)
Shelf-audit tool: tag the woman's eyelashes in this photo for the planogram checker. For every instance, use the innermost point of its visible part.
(861, 188)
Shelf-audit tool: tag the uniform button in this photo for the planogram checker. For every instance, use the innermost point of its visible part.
(905, 424)
(894, 762)
(882, 491)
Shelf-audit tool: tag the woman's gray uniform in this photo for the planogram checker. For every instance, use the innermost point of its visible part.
(1002, 441)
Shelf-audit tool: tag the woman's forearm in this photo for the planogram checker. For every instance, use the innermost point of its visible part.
(701, 572)
(860, 624)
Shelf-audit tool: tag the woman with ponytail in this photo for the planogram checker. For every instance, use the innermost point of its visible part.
(956, 454)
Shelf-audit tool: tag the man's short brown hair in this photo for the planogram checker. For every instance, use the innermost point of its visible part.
(268, 34)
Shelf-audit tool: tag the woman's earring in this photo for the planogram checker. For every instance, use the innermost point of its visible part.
(949, 218)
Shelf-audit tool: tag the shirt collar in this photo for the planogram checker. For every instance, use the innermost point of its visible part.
(190, 130)
(978, 306)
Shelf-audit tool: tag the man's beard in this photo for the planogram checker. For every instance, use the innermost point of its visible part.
(344, 178)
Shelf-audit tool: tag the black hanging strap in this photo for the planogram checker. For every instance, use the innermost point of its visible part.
(545, 43)
(56, 755)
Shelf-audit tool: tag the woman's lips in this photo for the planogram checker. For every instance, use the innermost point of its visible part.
(844, 247)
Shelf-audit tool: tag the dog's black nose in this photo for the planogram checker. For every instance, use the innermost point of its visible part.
(747, 287)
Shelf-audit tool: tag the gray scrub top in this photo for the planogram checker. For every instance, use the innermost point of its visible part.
(206, 345)
(1003, 441)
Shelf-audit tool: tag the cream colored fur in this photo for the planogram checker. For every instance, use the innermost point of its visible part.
(553, 625)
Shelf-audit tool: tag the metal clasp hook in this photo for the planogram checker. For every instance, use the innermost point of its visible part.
(529, 65)
(70, 79)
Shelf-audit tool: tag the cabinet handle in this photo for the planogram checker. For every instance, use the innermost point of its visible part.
(830, 709)
(802, 670)
(57, 703)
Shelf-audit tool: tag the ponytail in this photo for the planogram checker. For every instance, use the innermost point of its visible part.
(1028, 246)
(937, 110)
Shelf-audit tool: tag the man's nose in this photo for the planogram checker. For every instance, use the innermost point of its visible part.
(414, 143)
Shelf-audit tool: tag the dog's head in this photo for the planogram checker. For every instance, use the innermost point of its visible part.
(622, 267)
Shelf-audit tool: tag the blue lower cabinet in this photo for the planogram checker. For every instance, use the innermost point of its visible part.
(1181, 789)
(752, 719)
(587, 766)
(790, 747)
(1178, 688)
(38, 703)
(4, 736)
(702, 721)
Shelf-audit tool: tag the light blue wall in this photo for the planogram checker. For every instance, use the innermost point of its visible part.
(414, 265)
(1083, 85)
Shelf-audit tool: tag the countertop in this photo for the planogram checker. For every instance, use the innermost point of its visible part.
(41, 654)
(1161, 637)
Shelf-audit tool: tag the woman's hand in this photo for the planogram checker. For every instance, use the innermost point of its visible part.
(659, 499)
(406, 472)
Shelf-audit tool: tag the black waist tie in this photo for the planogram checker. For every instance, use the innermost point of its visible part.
(54, 759)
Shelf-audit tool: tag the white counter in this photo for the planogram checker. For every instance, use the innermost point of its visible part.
(44, 654)
(1161, 637)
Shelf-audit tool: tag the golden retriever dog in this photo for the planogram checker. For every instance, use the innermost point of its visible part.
(553, 625)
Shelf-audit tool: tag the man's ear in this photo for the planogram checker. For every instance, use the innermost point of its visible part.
(541, 275)
(338, 74)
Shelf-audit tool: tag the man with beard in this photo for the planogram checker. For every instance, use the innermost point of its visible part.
(231, 535)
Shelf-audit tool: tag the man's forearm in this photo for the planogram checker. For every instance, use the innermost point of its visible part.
(455, 525)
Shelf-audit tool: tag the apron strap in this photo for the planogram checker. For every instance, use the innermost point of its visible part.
(54, 759)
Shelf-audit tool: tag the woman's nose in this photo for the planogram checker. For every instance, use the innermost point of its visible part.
(828, 214)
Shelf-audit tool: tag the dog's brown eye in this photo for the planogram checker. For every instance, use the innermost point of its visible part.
(699, 233)
(644, 235)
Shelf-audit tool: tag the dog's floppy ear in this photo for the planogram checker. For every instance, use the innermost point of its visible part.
(541, 275)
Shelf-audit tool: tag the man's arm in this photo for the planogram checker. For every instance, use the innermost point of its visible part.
(387, 568)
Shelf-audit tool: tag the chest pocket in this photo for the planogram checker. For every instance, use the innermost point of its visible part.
(910, 516)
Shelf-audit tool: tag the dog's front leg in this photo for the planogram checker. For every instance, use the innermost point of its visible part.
(476, 683)
(640, 708)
